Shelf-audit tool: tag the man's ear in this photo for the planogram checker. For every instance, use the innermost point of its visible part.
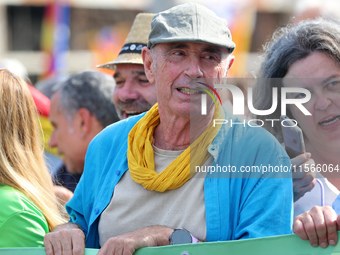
(148, 64)
(84, 119)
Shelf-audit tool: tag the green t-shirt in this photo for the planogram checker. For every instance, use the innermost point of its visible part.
(22, 224)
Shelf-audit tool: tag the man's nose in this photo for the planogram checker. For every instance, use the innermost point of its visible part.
(128, 91)
(53, 141)
(193, 69)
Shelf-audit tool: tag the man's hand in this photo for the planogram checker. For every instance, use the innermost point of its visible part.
(65, 239)
(319, 226)
(303, 178)
(128, 243)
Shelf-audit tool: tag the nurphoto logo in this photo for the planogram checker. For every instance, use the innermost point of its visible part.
(238, 102)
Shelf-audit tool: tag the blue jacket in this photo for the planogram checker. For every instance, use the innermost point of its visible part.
(238, 205)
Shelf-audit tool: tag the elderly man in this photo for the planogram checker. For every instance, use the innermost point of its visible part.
(133, 93)
(157, 201)
(80, 108)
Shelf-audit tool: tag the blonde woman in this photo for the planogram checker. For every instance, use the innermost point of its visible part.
(28, 205)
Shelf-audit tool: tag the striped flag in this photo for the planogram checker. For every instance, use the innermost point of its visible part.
(55, 37)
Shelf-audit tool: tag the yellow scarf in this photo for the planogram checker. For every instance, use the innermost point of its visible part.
(141, 158)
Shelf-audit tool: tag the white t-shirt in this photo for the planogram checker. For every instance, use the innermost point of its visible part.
(313, 198)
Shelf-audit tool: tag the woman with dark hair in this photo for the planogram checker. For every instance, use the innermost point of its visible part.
(307, 56)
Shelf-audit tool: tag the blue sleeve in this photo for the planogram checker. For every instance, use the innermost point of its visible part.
(336, 205)
(268, 208)
(242, 204)
(75, 208)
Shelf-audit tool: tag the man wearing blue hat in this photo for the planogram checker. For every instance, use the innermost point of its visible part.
(138, 188)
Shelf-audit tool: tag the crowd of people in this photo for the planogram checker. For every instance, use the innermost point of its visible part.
(133, 140)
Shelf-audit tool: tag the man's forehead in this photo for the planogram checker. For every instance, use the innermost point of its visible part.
(55, 98)
(194, 45)
(56, 112)
(56, 104)
(129, 70)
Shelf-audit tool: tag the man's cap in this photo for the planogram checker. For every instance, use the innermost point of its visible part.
(190, 22)
(131, 52)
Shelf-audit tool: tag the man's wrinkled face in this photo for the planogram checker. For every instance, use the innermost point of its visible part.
(133, 93)
(173, 67)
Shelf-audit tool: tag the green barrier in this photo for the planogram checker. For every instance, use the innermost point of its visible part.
(278, 245)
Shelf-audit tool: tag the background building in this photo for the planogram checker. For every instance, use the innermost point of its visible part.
(58, 37)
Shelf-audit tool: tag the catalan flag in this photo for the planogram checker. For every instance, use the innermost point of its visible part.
(55, 37)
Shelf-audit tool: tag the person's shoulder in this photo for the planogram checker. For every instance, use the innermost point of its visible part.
(254, 137)
(14, 201)
(21, 222)
(113, 138)
(118, 129)
(16, 207)
(246, 129)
